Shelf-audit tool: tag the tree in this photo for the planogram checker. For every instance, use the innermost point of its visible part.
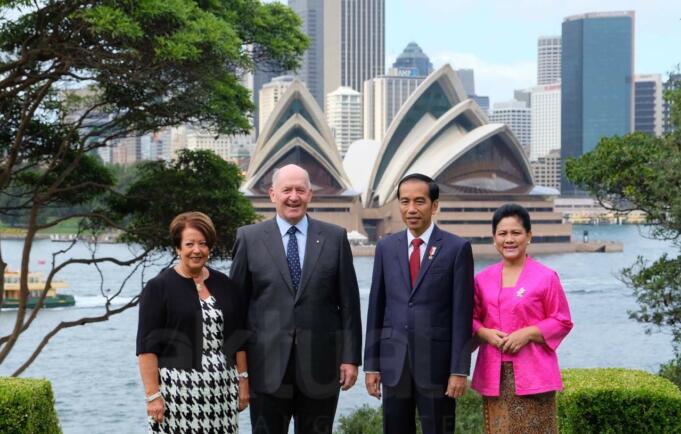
(76, 75)
(196, 180)
(643, 172)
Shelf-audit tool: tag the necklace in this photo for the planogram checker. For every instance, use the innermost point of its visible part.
(203, 277)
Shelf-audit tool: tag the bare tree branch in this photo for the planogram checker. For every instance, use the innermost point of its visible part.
(67, 324)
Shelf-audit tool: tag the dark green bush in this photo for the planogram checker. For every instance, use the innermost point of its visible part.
(27, 407)
(672, 371)
(367, 420)
(609, 401)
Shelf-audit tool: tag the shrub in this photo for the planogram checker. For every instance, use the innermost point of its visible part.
(672, 371)
(27, 407)
(618, 401)
(367, 420)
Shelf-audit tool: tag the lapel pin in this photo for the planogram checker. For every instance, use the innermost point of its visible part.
(431, 253)
(317, 241)
(520, 292)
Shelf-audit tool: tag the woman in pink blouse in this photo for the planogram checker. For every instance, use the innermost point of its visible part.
(520, 317)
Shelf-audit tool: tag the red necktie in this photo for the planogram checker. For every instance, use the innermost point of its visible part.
(415, 260)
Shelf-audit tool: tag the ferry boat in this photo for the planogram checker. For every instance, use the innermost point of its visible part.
(36, 284)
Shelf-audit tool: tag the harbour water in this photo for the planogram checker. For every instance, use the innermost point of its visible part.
(93, 368)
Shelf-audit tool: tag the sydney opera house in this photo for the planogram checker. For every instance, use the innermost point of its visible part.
(439, 132)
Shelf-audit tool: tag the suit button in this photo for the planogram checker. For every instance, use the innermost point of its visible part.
(291, 333)
(406, 327)
(411, 304)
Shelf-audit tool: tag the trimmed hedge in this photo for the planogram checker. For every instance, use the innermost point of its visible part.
(368, 420)
(613, 401)
(603, 400)
(27, 407)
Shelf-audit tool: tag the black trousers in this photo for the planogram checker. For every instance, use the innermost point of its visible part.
(272, 413)
(400, 402)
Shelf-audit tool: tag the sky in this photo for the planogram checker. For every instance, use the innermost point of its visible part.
(498, 38)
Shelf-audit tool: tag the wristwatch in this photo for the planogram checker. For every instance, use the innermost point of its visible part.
(243, 375)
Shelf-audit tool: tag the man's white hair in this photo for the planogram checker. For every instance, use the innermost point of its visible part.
(275, 175)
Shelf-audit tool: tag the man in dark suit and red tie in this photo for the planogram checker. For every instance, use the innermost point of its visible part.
(418, 339)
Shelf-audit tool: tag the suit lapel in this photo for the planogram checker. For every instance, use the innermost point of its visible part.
(402, 258)
(275, 247)
(313, 248)
(435, 241)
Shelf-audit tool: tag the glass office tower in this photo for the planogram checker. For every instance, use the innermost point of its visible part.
(597, 69)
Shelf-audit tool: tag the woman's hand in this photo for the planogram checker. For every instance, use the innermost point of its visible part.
(493, 337)
(516, 340)
(244, 394)
(155, 409)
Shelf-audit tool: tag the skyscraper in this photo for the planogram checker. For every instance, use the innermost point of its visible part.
(672, 83)
(597, 74)
(516, 115)
(648, 108)
(548, 59)
(383, 98)
(362, 41)
(344, 116)
(263, 74)
(545, 109)
(467, 78)
(270, 95)
(347, 43)
(546, 170)
(320, 67)
(413, 60)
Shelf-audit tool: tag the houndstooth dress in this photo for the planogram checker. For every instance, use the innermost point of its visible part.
(203, 401)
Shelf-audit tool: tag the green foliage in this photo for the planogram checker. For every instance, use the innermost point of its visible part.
(672, 371)
(27, 407)
(195, 181)
(367, 420)
(643, 172)
(364, 420)
(610, 401)
(153, 62)
(77, 76)
(657, 288)
(469, 415)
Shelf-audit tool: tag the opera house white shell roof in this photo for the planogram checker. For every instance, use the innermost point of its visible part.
(296, 132)
(441, 133)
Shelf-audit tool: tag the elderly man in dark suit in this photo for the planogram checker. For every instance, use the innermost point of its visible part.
(303, 313)
(420, 317)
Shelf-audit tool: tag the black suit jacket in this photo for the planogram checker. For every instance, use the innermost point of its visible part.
(431, 323)
(320, 322)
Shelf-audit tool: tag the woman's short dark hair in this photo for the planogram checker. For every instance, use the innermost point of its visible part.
(193, 219)
(433, 189)
(511, 210)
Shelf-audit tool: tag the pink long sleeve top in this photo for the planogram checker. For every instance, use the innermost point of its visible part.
(538, 300)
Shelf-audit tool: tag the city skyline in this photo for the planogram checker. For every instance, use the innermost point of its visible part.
(498, 39)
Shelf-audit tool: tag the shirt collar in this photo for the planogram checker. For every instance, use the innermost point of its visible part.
(284, 225)
(424, 236)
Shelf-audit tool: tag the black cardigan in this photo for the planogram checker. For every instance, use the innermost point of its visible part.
(170, 321)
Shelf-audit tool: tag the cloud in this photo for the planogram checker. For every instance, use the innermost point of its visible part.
(497, 80)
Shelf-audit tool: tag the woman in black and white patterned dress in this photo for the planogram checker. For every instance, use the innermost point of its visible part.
(191, 324)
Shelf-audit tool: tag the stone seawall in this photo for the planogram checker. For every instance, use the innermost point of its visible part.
(487, 251)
